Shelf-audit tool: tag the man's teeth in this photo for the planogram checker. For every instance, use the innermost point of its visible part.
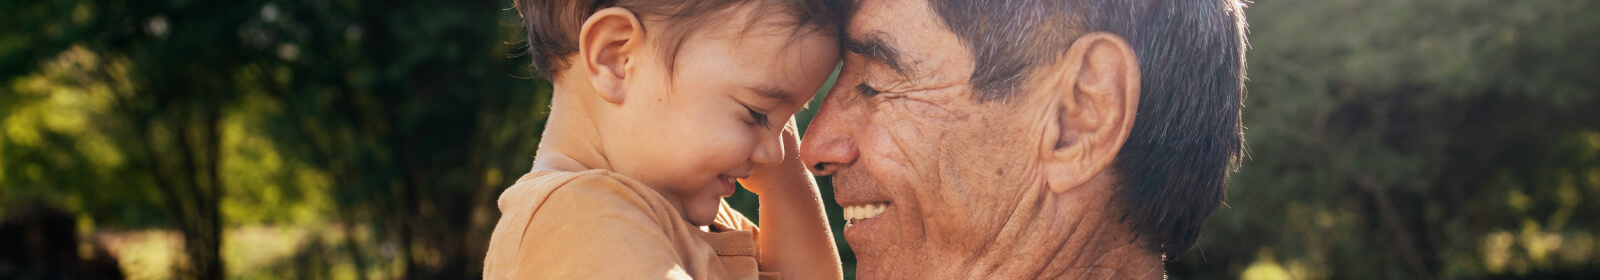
(731, 179)
(861, 212)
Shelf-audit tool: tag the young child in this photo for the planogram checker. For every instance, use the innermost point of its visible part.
(659, 107)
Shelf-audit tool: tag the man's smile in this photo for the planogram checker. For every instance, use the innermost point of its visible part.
(857, 213)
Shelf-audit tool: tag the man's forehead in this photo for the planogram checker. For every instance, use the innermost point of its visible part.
(908, 37)
(884, 31)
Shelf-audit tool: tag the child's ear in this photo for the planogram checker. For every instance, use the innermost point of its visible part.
(608, 47)
(1095, 94)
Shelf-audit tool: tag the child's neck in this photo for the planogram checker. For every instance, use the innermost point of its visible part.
(571, 141)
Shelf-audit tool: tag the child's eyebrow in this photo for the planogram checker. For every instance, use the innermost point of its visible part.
(773, 92)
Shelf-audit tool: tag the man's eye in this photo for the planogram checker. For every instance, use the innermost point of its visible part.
(760, 118)
(867, 90)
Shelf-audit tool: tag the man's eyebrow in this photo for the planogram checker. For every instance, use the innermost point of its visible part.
(875, 48)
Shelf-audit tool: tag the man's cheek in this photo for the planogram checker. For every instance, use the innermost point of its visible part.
(891, 151)
(913, 144)
(950, 218)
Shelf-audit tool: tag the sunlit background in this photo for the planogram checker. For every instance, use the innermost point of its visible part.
(343, 139)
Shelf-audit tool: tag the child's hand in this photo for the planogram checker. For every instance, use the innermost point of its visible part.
(789, 175)
(795, 238)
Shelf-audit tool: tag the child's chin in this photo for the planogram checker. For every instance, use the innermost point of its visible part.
(703, 217)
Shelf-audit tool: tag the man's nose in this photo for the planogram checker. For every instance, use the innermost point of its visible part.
(829, 144)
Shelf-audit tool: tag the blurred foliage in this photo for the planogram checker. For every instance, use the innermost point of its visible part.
(391, 126)
(1415, 139)
(1405, 139)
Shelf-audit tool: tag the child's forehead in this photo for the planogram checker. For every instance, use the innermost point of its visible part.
(752, 20)
(769, 53)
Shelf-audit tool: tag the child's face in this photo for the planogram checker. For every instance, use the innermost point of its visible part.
(732, 92)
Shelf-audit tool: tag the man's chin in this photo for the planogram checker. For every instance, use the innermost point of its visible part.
(872, 262)
(880, 256)
(868, 268)
(867, 272)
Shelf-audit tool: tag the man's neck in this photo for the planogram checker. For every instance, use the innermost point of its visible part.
(571, 139)
(1075, 233)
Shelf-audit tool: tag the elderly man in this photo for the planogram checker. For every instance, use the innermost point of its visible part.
(1031, 139)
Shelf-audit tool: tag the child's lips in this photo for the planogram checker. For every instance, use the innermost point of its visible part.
(728, 183)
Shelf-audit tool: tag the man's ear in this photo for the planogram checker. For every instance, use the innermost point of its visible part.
(608, 49)
(1094, 94)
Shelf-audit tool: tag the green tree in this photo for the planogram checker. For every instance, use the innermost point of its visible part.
(1385, 138)
(411, 109)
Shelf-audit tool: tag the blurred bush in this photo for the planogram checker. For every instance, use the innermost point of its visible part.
(389, 125)
(1415, 139)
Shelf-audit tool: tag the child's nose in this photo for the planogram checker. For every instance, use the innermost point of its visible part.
(769, 152)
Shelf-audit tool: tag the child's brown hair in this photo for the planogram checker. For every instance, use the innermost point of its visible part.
(552, 25)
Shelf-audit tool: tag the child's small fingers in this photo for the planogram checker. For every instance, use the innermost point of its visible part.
(791, 127)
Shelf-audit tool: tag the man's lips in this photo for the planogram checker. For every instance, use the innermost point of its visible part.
(862, 213)
(862, 197)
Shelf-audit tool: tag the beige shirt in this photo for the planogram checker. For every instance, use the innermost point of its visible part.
(598, 224)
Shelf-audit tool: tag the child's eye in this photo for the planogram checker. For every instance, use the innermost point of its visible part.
(760, 118)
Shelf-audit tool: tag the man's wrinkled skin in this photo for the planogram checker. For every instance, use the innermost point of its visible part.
(1015, 188)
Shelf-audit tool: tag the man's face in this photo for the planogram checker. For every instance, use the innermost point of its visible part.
(901, 129)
